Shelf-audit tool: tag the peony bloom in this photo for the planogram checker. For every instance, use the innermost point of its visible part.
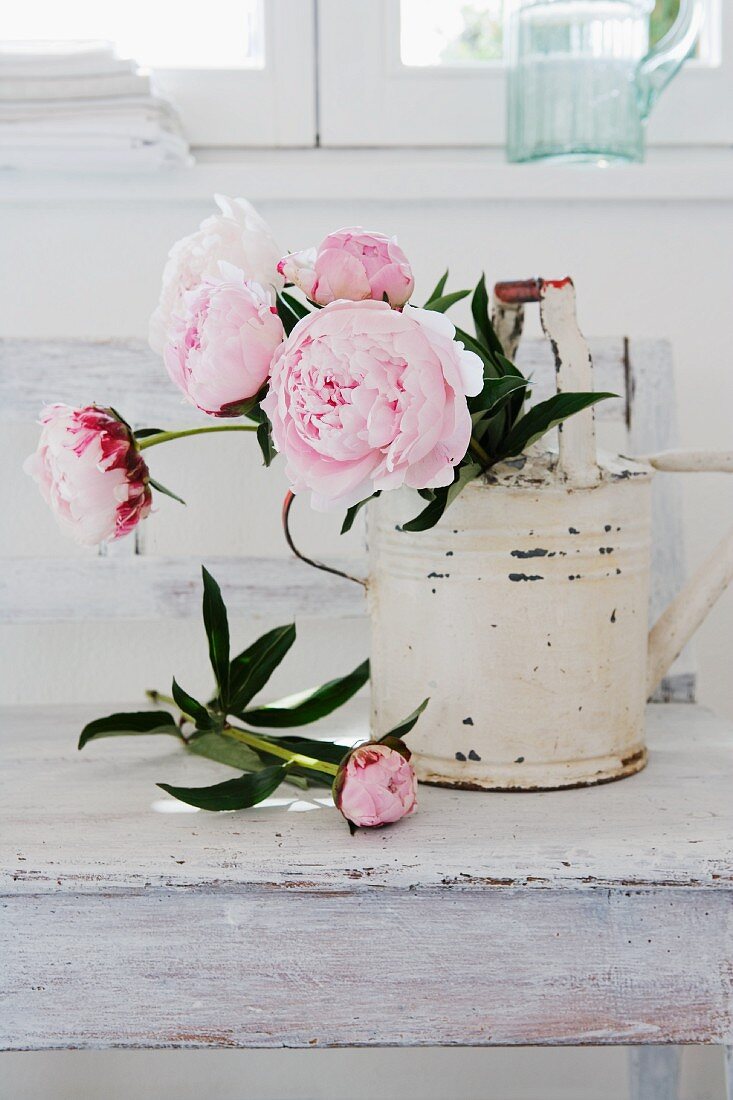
(237, 236)
(90, 473)
(376, 785)
(363, 397)
(352, 264)
(222, 342)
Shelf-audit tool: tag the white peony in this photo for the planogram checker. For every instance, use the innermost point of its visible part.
(239, 236)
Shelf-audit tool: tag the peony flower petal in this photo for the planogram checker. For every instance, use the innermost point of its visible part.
(90, 473)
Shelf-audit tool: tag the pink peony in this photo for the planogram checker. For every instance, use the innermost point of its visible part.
(376, 785)
(363, 397)
(238, 236)
(90, 472)
(222, 342)
(352, 264)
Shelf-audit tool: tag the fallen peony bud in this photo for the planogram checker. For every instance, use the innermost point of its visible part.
(376, 785)
(90, 472)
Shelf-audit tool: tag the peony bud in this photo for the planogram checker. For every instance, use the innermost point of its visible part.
(351, 264)
(221, 343)
(376, 784)
(90, 472)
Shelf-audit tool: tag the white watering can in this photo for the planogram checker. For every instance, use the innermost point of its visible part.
(523, 612)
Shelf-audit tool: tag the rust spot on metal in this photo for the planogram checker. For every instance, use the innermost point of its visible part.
(537, 553)
(518, 292)
(525, 577)
(629, 765)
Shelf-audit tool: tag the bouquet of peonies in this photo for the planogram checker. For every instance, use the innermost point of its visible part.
(321, 355)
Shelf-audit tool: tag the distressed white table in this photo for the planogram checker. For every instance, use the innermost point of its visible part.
(592, 916)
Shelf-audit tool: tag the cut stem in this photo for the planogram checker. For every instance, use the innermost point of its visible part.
(157, 697)
(164, 437)
(274, 749)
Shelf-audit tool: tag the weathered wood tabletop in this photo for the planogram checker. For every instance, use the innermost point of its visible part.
(602, 915)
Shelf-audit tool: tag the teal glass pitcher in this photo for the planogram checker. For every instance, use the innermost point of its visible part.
(582, 79)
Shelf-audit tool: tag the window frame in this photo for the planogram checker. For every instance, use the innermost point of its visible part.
(273, 105)
(375, 100)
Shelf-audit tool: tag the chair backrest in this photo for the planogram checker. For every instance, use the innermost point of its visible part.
(124, 582)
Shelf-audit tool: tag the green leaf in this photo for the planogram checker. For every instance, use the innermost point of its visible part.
(265, 442)
(495, 393)
(290, 311)
(354, 510)
(438, 291)
(298, 307)
(134, 722)
(168, 492)
(217, 631)
(233, 794)
(192, 708)
(440, 305)
(143, 433)
(252, 668)
(225, 750)
(546, 415)
(308, 706)
(406, 724)
(443, 498)
(482, 320)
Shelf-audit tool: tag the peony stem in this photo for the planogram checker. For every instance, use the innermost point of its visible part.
(163, 437)
(273, 749)
(479, 452)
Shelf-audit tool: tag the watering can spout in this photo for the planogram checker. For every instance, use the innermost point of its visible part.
(676, 625)
(657, 68)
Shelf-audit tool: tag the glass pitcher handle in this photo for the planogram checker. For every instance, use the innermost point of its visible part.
(655, 71)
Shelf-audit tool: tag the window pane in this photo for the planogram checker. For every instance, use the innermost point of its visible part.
(224, 34)
(453, 32)
(450, 32)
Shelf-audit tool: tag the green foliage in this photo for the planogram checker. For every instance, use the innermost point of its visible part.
(123, 725)
(308, 706)
(217, 632)
(266, 759)
(233, 794)
(500, 429)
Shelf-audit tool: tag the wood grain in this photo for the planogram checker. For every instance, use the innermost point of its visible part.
(591, 916)
(136, 587)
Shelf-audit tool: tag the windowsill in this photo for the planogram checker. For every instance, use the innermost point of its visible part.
(689, 174)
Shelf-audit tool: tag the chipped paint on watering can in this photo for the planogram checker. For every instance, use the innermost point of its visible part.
(517, 614)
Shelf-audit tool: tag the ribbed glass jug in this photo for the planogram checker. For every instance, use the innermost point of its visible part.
(581, 77)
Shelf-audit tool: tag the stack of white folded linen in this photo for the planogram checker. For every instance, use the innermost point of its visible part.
(76, 106)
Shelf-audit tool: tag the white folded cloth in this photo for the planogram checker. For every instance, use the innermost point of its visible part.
(76, 106)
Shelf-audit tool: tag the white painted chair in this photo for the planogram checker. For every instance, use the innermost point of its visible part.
(578, 917)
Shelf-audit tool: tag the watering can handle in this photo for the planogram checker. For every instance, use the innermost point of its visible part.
(676, 625)
(573, 364)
